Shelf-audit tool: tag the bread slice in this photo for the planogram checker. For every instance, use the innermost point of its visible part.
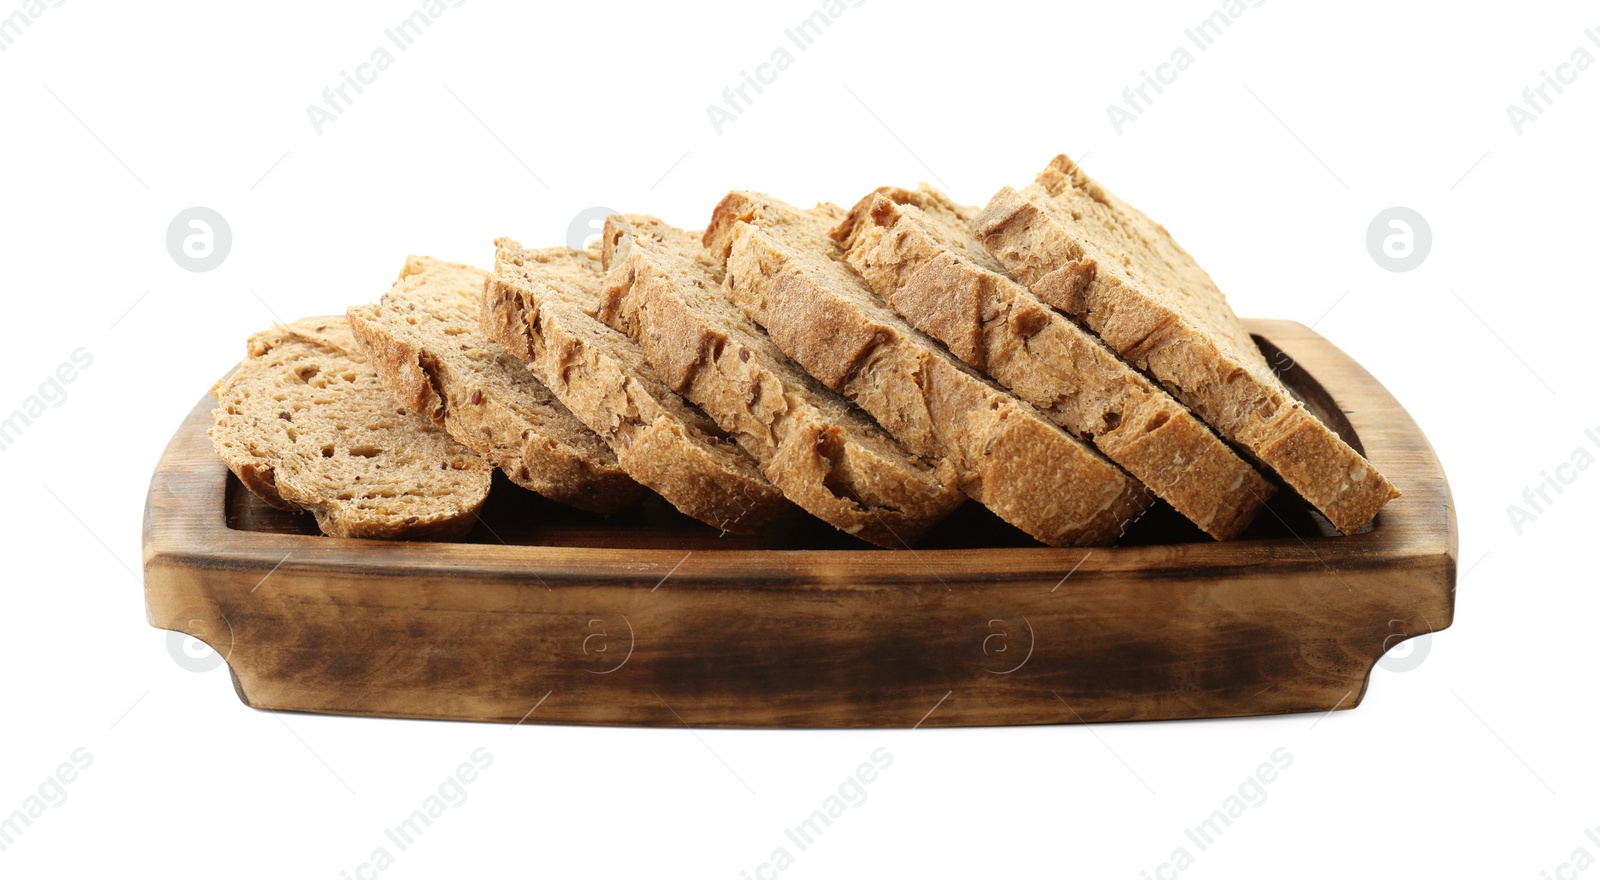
(305, 424)
(917, 251)
(1089, 254)
(664, 290)
(428, 346)
(540, 304)
(787, 275)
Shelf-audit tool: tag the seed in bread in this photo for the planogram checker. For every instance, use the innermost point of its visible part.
(306, 425)
(917, 251)
(541, 304)
(426, 341)
(664, 290)
(787, 275)
(1091, 255)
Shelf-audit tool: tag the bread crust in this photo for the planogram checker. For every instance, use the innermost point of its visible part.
(917, 252)
(540, 305)
(1090, 255)
(426, 342)
(786, 274)
(663, 290)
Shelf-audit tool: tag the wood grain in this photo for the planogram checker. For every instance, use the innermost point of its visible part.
(649, 618)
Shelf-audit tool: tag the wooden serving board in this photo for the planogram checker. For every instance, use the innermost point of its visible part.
(649, 618)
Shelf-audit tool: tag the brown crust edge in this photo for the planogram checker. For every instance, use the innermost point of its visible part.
(662, 457)
(1014, 445)
(796, 464)
(1288, 454)
(1219, 491)
(541, 465)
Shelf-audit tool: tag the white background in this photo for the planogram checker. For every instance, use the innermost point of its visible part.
(1267, 159)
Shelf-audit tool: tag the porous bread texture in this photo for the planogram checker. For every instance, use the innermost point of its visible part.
(787, 275)
(665, 292)
(427, 344)
(306, 424)
(1089, 254)
(918, 253)
(540, 304)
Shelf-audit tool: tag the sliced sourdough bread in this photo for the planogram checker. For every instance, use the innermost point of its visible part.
(306, 425)
(917, 251)
(665, 291)
(540, 304)
(1091, 255)
(427, 344)
(787, 275)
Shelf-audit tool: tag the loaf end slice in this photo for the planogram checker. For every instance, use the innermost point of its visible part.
(306, 424)
(427, 344)
(1091, 255)
(541, 304)
(917, 251)
(787, 275)
(664, 290)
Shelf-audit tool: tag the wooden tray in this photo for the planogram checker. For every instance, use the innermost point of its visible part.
(650, 618)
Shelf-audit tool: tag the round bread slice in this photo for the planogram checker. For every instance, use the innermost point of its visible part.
(306, 425)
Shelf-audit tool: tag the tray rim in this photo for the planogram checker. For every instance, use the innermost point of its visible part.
(1408, 561)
